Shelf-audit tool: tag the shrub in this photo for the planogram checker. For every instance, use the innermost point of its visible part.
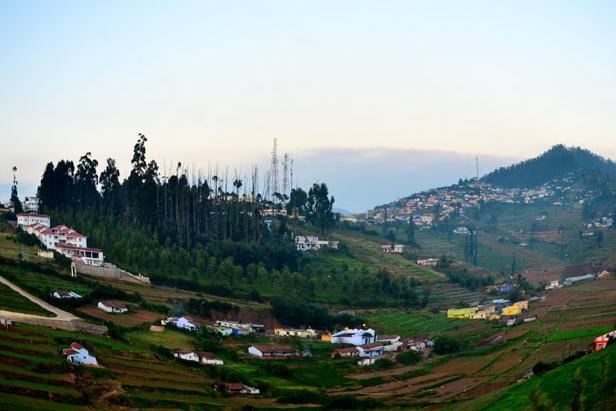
(408, 357)
(383, 364)
(446, 345)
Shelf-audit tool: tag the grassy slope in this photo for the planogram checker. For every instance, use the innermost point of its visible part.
(584, 384)
(12, 301)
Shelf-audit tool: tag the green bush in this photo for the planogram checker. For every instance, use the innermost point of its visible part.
(408, 357)
(446, 345)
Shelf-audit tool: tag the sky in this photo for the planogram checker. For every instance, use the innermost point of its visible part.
(335, 82)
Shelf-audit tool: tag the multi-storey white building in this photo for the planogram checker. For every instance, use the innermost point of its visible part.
(25, 219)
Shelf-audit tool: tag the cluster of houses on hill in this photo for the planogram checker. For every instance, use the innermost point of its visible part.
(360, 342)
(223, 327)
(427, 208)
(313, 243)
(494, 310)
(60, 238)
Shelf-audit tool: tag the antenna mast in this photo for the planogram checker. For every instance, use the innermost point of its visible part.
(274, 173)
(477, 167)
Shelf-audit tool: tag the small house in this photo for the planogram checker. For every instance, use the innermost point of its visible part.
(239, 389)
(345, 352)
(287, 332)
(188, 323)
(461, 313)
(78, 355)
(428, 262)
(388, 339)
(208, 358)
(371, 350)
(272, 351)
(364, 362)
(113, 307)
(65, 294)
(186, 355)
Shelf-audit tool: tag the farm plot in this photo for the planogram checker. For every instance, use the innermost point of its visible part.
(133, 318)
(423, 322)
(368, 251)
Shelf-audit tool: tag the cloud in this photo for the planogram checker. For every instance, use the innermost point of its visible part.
(363, 178)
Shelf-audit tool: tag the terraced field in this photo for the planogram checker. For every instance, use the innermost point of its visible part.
(409, 324)
(368, 251)
(32, 373)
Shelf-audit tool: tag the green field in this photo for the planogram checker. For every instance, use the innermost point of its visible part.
(10, 300)
(410, 324)
(560, 335)
(168, 338)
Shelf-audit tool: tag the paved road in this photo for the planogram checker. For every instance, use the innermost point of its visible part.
(61, 315)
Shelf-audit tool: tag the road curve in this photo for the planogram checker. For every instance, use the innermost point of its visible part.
(61, 315)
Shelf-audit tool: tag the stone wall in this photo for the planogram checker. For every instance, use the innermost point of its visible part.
(111, 271)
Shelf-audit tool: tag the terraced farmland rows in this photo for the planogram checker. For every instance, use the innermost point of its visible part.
(32, 374)
(369, 252)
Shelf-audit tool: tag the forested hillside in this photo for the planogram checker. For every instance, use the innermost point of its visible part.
(554, 163)
(214, 233)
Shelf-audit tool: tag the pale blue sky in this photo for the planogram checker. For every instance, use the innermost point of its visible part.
(217, 81)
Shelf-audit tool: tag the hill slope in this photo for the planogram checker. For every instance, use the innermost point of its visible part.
(585, 384)
(554, 163)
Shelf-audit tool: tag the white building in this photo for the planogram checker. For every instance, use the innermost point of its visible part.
(393, 248)
(371, 350)
(354, 336)
(237, 388)
(67, 236)
(208, 358)
(78, 355)
(187, 323)
(272, 351)
(312, 243)
(113, 307)
(24, 220)
(65, 294)
(186, 355)
(428, 262)
(288, 332)
(87, 256)
(31, 205)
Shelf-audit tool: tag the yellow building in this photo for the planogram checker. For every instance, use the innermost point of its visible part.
(512, 310)
(460, 313)
(326, 338)
(522, 304)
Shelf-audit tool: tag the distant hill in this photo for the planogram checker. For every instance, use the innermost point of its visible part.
(556, 162)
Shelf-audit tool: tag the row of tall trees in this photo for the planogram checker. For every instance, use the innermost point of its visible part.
(189, 210)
